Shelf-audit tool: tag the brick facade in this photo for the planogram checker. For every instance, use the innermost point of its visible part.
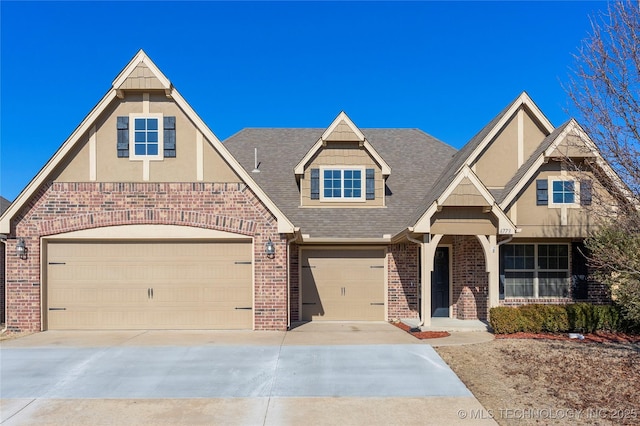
(403, 281)
(2, 262)
(470, 279)
(63, 207)
(294, 282)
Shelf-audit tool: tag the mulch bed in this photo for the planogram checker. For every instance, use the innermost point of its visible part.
(597, 337)
(415, 332)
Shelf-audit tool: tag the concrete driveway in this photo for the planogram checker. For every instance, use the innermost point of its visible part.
(359, 373)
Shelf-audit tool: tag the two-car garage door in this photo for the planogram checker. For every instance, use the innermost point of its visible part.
(343, 285)
(149, 285)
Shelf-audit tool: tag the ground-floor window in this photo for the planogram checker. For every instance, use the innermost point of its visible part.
(534, 270)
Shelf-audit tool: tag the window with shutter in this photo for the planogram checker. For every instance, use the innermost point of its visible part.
(542, 192)
(169, 137)
(122, 127)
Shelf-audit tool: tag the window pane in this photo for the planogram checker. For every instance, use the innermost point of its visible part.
(140, 149)
(152, 124)
(140, 124)
(553, 284)
(569, 198)
(348, 174)
(327, 193)
(140, 137)
(357, 193)
(336, 193)
(327, 174)
(518, 284)
(558, 198)
(152, 137)
(357, 174)
(152, 149)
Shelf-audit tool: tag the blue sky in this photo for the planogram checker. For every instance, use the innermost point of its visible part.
(445, 67)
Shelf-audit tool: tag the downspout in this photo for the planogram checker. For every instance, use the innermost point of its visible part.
(295, 231)
(422, 260)
(3, 239)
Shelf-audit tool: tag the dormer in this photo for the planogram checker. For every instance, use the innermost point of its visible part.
(342, 169)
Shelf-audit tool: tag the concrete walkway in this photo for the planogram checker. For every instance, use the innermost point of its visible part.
(332, 373)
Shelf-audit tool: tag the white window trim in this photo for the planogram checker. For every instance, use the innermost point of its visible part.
(576, 191)
(363, 184)
(537, 270)
(132, 126)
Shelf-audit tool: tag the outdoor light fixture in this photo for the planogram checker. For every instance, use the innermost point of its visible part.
(21, 249)
(270, 249)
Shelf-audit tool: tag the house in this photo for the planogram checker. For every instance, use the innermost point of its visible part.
(143, 219)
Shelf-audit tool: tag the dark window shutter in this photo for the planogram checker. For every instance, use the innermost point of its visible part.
(586, 188)
(315, 184)
(123, 137)
(542, 192)
(170, 137)
(371, 184)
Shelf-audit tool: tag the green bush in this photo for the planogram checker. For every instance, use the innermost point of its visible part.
(506, 320)
(576, 317)
(555, 319)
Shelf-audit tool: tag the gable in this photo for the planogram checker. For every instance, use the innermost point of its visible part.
(512, 145)
(142, 78)
(96, 159)
(147, 107)
(466, 193)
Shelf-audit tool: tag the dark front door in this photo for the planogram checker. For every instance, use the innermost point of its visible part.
(440, 283)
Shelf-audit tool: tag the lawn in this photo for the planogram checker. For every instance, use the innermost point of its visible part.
(527, 381)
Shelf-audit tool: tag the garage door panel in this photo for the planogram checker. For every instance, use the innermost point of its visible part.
(343, 285)
(109, 285)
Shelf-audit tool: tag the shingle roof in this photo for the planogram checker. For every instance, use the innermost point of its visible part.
(4, 204)
(416, 160)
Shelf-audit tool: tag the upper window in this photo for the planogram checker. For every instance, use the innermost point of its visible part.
(563, 192)
(146, 136)
(342, 184)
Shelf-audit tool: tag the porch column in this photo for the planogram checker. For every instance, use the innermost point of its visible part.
(492, 262)
(428, 253)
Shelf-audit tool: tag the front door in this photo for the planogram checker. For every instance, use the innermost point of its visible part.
(440, 283)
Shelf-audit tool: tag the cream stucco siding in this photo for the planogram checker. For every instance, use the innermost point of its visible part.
(342, 154)
(533, 136)
(499, 162)
(110, 168)
(574, 221)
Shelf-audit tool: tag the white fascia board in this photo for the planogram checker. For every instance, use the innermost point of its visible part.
(284, 224)
(468, 173)
(386, 169)
(28, 191)
(342, 116)
(141, 56)
(523, 99)
(299, 169)
(423, 225)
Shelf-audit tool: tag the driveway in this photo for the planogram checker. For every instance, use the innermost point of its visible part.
(367, 373)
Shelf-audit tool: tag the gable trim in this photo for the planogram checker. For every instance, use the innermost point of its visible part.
(505, 225)
(141, 57)
(285, 226)
(522, 100)
(299, 168)
(548, 152)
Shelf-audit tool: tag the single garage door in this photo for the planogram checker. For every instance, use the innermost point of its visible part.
(343, 285)
(149, 285)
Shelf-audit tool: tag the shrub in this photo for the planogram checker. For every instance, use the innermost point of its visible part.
(506, 320)
(555, 319)
(534, 317)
